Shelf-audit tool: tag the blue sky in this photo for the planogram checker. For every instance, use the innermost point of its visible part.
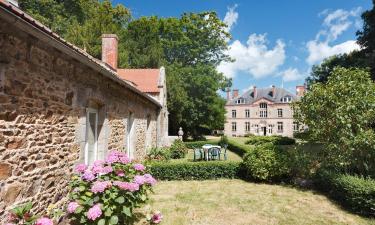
(274, 42)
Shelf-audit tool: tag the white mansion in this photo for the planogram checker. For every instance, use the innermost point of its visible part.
(261, 111)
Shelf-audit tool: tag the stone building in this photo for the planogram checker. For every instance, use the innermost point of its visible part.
(261, 111)
(60, 106)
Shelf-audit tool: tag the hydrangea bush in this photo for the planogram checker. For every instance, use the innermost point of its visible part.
(108, 191)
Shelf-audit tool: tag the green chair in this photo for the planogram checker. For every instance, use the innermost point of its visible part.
(198, 153)
(214, 153)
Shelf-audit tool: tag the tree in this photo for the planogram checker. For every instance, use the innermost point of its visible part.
(340, 114)
(190, 47)
(82, 22)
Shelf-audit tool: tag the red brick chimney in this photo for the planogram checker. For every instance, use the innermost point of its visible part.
(235, 93)
(110, 50)
(228, 94)
(300, 90)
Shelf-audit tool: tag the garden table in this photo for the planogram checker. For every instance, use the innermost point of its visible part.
(206, 148)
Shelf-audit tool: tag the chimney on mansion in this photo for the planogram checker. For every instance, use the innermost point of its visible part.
(300, 90)
(235, 93)
(110, 50)
(228, 94)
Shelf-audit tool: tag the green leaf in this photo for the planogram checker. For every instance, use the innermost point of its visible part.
(126, 211)
(113, 220)
(120, 200)
(101, 222)
(108, 212)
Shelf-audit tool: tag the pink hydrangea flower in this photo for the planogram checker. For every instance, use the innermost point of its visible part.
(127, 186)
(9, 224)
(149, 179)
(72, 206)
(100, 186)
(139, 167)
(157, 218)
(120, 173)
(94, 212)
(44, 221)
(139, 180)
(124, 159)
(88, 176)
(80, 168)
(107, 169)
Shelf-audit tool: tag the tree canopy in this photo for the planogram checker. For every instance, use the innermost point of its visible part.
(340, 113)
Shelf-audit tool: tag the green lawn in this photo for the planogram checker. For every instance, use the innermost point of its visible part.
(236, 202)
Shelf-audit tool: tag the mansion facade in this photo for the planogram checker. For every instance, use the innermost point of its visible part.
(261, 112)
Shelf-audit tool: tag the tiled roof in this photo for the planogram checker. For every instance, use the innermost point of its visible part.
(265, 93)
(95, 63)
(147, 80)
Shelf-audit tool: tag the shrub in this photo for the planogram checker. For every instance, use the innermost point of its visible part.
(354, 192)
(238, 148)
(195, 170)
(109, 191)
(159, 154)
(277, 140)
(199, 144)
(178, 149)
(266, 163)
(223, 141)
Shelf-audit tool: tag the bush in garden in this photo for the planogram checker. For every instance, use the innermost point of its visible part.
(159, 154)
(266, 163)
(178, 149)
(277, 140)
(199, 144)
(108, 191)
(21, 215)
(354, 192)
(223, 141)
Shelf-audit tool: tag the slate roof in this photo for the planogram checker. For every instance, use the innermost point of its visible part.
(265, 93)
(146, 80)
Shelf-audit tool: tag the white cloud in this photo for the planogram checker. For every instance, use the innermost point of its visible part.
(292, 74)
(321, 50)
(231, 17)
(334, 24)
(254, 58)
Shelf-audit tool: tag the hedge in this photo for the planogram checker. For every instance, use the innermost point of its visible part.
(353, 192)
(277, 140)
(238, 148)
(195, 170)
(199, 144)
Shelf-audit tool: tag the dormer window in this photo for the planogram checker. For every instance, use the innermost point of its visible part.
(263, 105)
(240, 101)
(286, 99)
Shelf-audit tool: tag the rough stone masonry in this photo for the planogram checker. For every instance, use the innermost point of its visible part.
(44, 95)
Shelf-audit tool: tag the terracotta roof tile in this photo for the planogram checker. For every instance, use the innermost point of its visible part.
(147, 80)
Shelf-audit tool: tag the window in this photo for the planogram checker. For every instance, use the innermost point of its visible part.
(280, 127)
(247, 126)
(286, 99)
(263, 105)
(240, 101)
(263, 114)
(91, 142)
(234, 126)
(234, 113)
(295, 126)
(270, 126)
(280, 112)
(263, 110)
(247, 113)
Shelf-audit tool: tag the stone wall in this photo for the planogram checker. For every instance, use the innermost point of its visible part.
(43, 99)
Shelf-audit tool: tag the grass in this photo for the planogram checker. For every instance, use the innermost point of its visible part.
(223, 202)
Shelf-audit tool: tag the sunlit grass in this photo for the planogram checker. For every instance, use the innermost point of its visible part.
(235, 202)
